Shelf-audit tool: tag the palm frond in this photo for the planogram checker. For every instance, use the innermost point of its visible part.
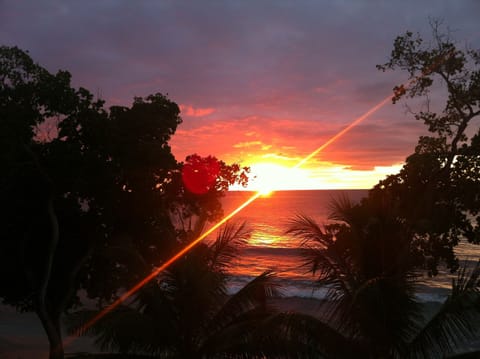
(326, 259)
(194, 291)
(294, 335)
(456, 322)
(331, 270)
(225, 248)
(155, 301)
(254, 295)
(466, 281)
(319, 251)
(339, 208)
(308, 230)
(381, 310)
(236, 338)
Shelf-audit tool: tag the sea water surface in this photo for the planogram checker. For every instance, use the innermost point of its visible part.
(21, 335)
(269, 248)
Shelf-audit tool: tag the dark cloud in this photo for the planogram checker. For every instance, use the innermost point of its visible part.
(293, 72)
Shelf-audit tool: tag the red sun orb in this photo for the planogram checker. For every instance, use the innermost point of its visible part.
(200, 174)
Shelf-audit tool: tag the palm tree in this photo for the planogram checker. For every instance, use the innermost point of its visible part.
(188, 313)
(364, 260)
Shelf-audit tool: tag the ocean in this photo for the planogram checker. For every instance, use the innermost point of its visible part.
(269, 248)
(21, 335)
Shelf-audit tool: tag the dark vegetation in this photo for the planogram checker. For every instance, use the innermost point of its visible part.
(365, 262)
(437, 191)
(411, 222)
(96, 205)
(94, 200)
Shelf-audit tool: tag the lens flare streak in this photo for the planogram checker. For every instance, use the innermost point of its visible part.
(344, 131)
(187, 248)
(258, 194)
(160, 269)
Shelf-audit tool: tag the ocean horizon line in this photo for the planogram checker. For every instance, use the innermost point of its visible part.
(302, 190)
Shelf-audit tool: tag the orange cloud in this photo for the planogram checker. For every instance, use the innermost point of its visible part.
(196, 112)
(249, 144)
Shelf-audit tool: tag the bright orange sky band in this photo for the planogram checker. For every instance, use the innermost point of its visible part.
(186, 249)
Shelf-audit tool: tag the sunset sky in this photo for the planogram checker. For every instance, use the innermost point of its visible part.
(262, 83)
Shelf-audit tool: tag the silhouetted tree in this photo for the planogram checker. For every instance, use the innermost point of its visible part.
(364, 262)
(438, 190)
(73, 201)
(33, 276)
(187, 311)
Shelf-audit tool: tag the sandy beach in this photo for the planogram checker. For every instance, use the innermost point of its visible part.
(22, 337)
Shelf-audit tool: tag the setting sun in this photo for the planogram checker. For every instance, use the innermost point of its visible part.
(268, 177)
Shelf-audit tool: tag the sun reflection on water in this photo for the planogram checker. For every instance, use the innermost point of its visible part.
(261, 239)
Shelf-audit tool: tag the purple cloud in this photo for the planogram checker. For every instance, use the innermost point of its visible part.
(291, 72)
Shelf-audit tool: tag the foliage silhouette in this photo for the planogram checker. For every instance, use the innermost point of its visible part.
(75, 198)
(364, 260)
(188, 313)
(437, 191)
(32, 216)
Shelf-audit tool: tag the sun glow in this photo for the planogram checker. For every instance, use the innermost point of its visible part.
(268, 187)
(268, 177)
(265, 192)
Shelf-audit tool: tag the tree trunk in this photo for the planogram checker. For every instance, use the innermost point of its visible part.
(50, 320)
(51, 326)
